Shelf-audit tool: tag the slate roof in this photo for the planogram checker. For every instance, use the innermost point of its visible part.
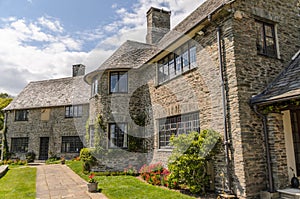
(285, 87)
(134, 54)
(130, 54)
(52, 93)
(192, 20)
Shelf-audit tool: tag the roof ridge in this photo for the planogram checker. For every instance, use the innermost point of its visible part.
(57, 79)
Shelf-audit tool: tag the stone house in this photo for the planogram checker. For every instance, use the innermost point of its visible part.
(203, 74)
(48, 117)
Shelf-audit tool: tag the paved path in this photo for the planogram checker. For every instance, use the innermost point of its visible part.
(59, 181)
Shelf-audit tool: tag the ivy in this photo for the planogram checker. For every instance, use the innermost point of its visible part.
(87, 131)
(189, 159)
(99, 130)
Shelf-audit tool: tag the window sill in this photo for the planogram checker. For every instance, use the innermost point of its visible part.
(268, 56)
(175, 77)
(164, 150)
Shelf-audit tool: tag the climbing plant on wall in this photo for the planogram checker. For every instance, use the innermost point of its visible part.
(99, 129)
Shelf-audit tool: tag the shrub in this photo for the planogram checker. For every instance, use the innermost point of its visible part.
(53, 160)
(130, 171)
(189, 159)
(30, 156)
(88, 160)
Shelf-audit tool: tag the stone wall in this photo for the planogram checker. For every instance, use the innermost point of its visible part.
(246, 74)
(278, 150)
(54, 128)
(253, 73)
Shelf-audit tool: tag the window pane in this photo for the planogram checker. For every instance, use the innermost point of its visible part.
(123, 83)
(113, 82)
(270, 47)
(185, 58)
(178, 63)
(259, 38)
(193, 56)
(75, 111)
(71, 112)
(166, 71)
(80, 111)
(171, 66)
(160, 73)
(269, 30)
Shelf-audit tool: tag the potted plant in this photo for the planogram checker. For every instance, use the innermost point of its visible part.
(62, 160)
(92, 183)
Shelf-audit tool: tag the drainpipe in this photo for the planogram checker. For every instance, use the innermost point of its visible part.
(266, 135)
(226, 139)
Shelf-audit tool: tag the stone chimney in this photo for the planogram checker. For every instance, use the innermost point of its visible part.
(78, 70)
(158, 24)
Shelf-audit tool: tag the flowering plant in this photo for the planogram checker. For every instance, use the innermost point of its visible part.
(91, 178)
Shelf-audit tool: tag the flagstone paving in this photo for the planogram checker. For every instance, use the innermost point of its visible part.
(59, 181)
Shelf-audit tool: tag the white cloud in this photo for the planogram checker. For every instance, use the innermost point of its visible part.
(51, 24)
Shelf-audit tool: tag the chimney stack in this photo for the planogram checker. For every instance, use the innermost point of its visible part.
(158, 24)
(78, 70)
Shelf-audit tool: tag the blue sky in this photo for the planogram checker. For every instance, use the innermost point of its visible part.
(42, 39)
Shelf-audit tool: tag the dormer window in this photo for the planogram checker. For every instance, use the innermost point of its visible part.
(118, 82)
(182, 60)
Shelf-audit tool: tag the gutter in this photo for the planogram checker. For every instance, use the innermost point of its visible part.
(266, 135)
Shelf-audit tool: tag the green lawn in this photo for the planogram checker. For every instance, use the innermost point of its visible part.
(18, 183)
(124, 187)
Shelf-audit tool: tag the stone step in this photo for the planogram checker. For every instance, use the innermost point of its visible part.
(289, 193)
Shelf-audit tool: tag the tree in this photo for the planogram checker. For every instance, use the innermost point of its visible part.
(4, 102)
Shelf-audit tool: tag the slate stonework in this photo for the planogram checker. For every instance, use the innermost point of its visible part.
(54, 128)
(246, 74)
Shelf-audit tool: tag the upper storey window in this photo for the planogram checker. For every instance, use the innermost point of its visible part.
(266, 39)
(183, 59)
(118, 82)
(21, 115)
(95, 86)
(73, 111)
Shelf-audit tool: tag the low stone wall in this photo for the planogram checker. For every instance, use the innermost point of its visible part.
(3, 170)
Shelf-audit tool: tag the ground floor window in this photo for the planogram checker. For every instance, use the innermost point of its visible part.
(176, 125)
(19, 145)
(118, 135)
(71, 144)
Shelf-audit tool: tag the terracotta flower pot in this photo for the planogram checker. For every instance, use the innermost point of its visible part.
(92, 187)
